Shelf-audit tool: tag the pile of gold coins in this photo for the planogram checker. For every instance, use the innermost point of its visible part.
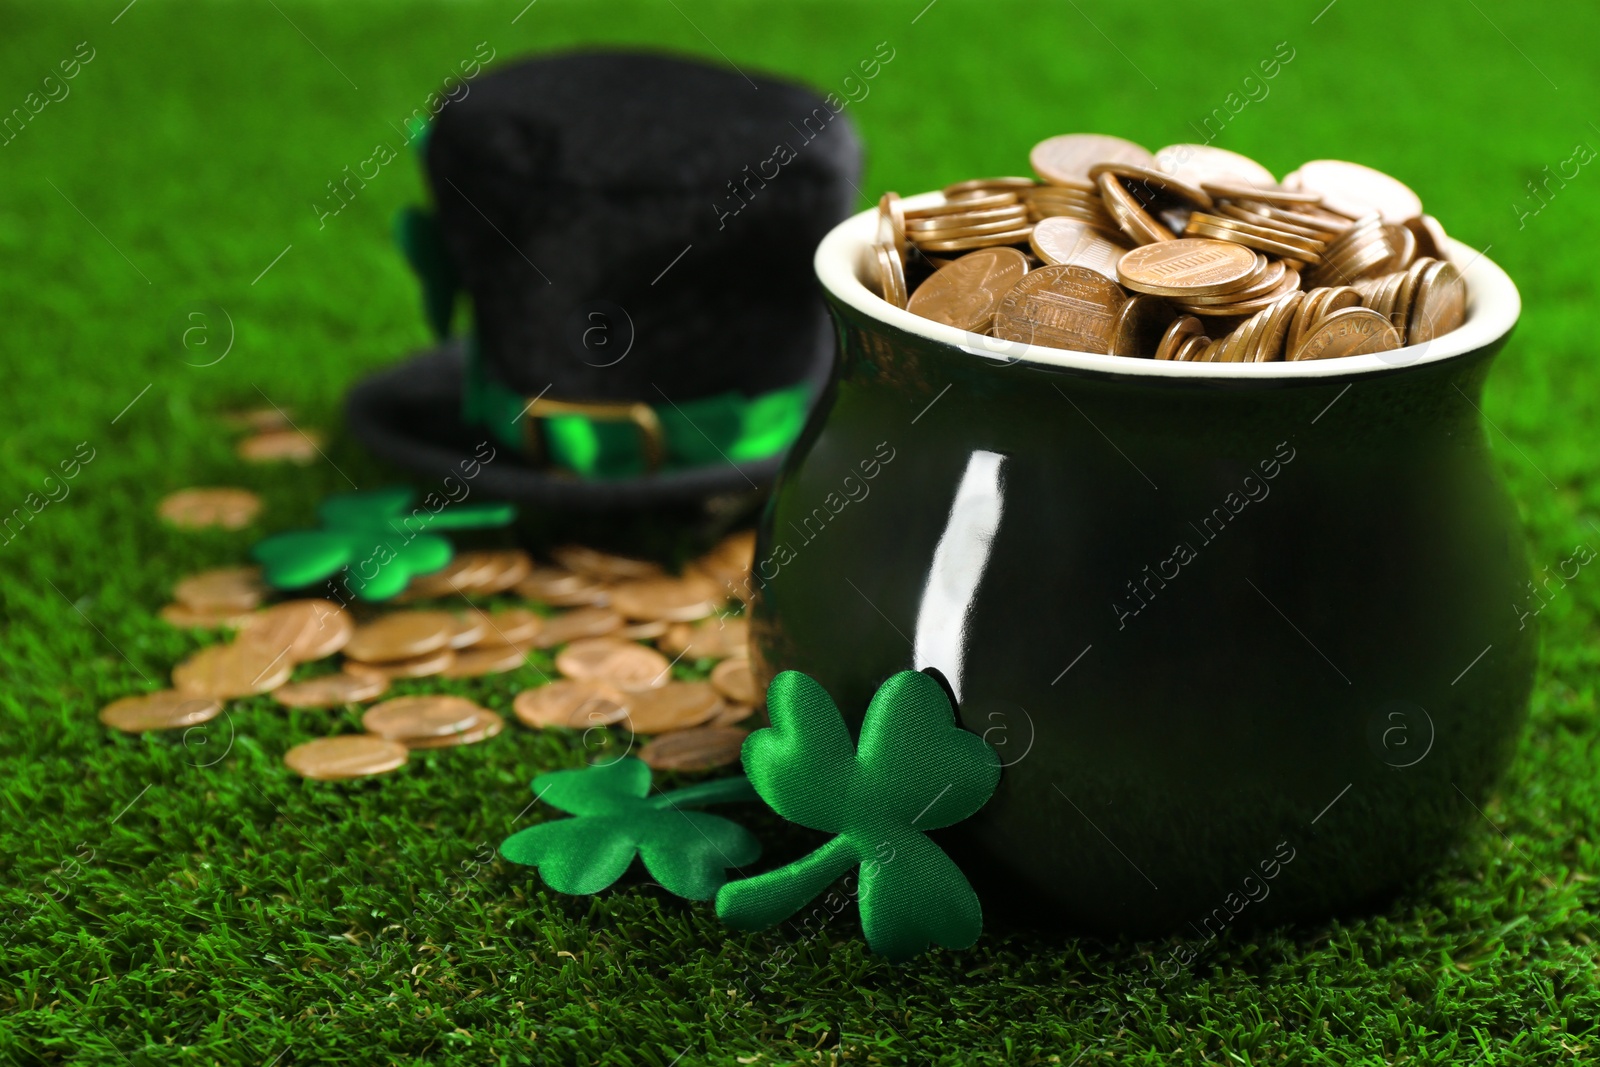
(1191, 253)
(593, 608)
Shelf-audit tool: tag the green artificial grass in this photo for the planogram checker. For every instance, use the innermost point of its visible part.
(185, 899)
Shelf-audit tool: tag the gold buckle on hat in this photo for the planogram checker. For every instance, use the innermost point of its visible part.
(651, 440)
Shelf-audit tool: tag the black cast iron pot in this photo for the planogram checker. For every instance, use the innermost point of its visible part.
(1243, 635)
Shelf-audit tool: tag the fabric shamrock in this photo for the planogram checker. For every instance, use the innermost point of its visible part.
(686, 851)
(379, 535)
(914, 770)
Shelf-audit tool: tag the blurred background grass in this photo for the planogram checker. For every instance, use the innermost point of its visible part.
(169, 903)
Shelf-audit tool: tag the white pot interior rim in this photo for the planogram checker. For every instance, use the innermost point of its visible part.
(1493, 305)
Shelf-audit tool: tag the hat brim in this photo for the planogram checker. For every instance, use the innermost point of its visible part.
(410, 415)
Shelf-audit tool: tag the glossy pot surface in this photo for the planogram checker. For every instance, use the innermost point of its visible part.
(1243, 635)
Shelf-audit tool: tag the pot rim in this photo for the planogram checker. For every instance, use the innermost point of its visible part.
(1493, 306)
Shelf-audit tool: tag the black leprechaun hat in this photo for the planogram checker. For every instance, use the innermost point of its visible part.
(617, 264)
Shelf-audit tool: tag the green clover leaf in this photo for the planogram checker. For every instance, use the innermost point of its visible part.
(913, 770)
(379, 535)
(688, 852)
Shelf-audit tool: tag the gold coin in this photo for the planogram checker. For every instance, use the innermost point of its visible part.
(236, 589)
(1139, 326)
(561, 588)
(627, 666)
(350, 756)
(486, 659)
(231, 509)
(571, 704)
(693, 596)
(1354, 331)
(486, 725)
(424, 666)
(331, 690)
(1199, 164)
(164, 709)
(508, 626)
(732, 678)
(700, 749)
(675, 706)
(1186, 267)
(575, 625)
(603, 565)
(408, 718)
(718, 638)
(294, 446)
(1065, 160)
(965, 293)
(1440, 304)
(233, 670)
(1059, 240)
(401, 635)
(1355, 190)
(190, 618)
(1061, 307)
(307, 629)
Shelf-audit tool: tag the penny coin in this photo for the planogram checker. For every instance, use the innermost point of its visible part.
(733, 680)
(164, 709)
(693, 596)
(1059, 239)
(892, 214)
(487, 724)
(977, 186)
(1439, 304)
(675, 706)
(1356, 331)
(891, 274)
(1139, 326)
(405, 718)
(627, 666)
(308, 629)
(1429, 234)
(350, 756)
(401, 635)
(486, 659)
(718, 638)
(645, 631)
(331, 690)
(470, 628)
(258, 419)
(233, 670)
(509, 626)
(1188, 266)
(732, 713)
(231, 509)
(1129, 213)
(964, 294)
(294, 446)
(1065, 160)
(1261, 195)
(699, 749)
(560, 587)
(1061, 307)
(1354, 190)
(192, 618)
(575, 625)
(424, 666)
(603, 565)
(223, 589)
(571, 704)
(1148, 185)
(963, 205)
(730, 561)
(1182, 328)
(505, 567)
(1200, 164)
